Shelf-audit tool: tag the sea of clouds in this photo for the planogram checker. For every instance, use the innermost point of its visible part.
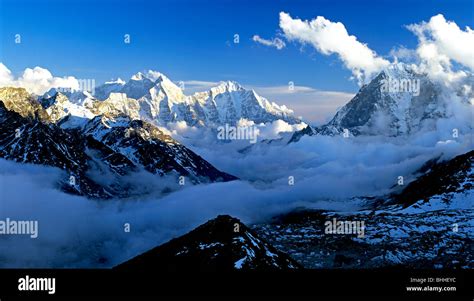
(327, 172)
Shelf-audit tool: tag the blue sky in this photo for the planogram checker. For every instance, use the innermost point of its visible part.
(193, 40)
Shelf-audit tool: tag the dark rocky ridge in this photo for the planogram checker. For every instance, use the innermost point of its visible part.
(221, 244)
(455, 175)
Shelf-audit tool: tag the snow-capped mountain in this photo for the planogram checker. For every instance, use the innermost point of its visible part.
(103, 91)
(146, 145)
(398, 101)
(58, 105)
(221, 244)
(29, 140)
(106, 147)
(229, 102)
(154, 97)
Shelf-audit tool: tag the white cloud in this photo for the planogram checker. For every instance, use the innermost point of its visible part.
(440, 43)
(276, 42)
(37, 80)
(332, 38)
(403, 54)
(328, 172)
(443, 41)
(274, 129)
(6, 77)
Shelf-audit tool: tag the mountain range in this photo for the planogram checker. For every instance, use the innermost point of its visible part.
(104, 148)
(154, 98)
(103, 139)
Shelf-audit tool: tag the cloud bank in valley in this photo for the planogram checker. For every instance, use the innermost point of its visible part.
(328, 172)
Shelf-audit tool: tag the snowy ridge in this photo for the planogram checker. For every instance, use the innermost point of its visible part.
(153, 97)
(398, 101)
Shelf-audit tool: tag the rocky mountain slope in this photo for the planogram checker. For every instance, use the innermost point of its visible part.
(399, 101)
(427, 225)
(104, 148)
(443, 180)
(221, 244)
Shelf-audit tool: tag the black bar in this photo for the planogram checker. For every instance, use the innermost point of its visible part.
(82, 283)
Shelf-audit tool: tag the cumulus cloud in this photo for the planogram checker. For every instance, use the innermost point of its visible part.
(441, 43)
(332, 38)
(443, 40)
(274, 129)
(6, 77)
(276, 42)
(37, 80)
(403, 54)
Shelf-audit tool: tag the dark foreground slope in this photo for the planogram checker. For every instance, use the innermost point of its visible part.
(221, 244)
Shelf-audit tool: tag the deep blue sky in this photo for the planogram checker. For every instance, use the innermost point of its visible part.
(187, 39)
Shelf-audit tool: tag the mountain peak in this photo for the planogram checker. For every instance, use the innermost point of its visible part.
(150, 75)
(221, 244)
(20, 101)
(398, 70)
(138, 76)
(228, 86)
(156, 76)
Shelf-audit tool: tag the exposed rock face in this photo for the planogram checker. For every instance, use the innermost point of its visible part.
(399, 101)
(20, 101)
(147, 146)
